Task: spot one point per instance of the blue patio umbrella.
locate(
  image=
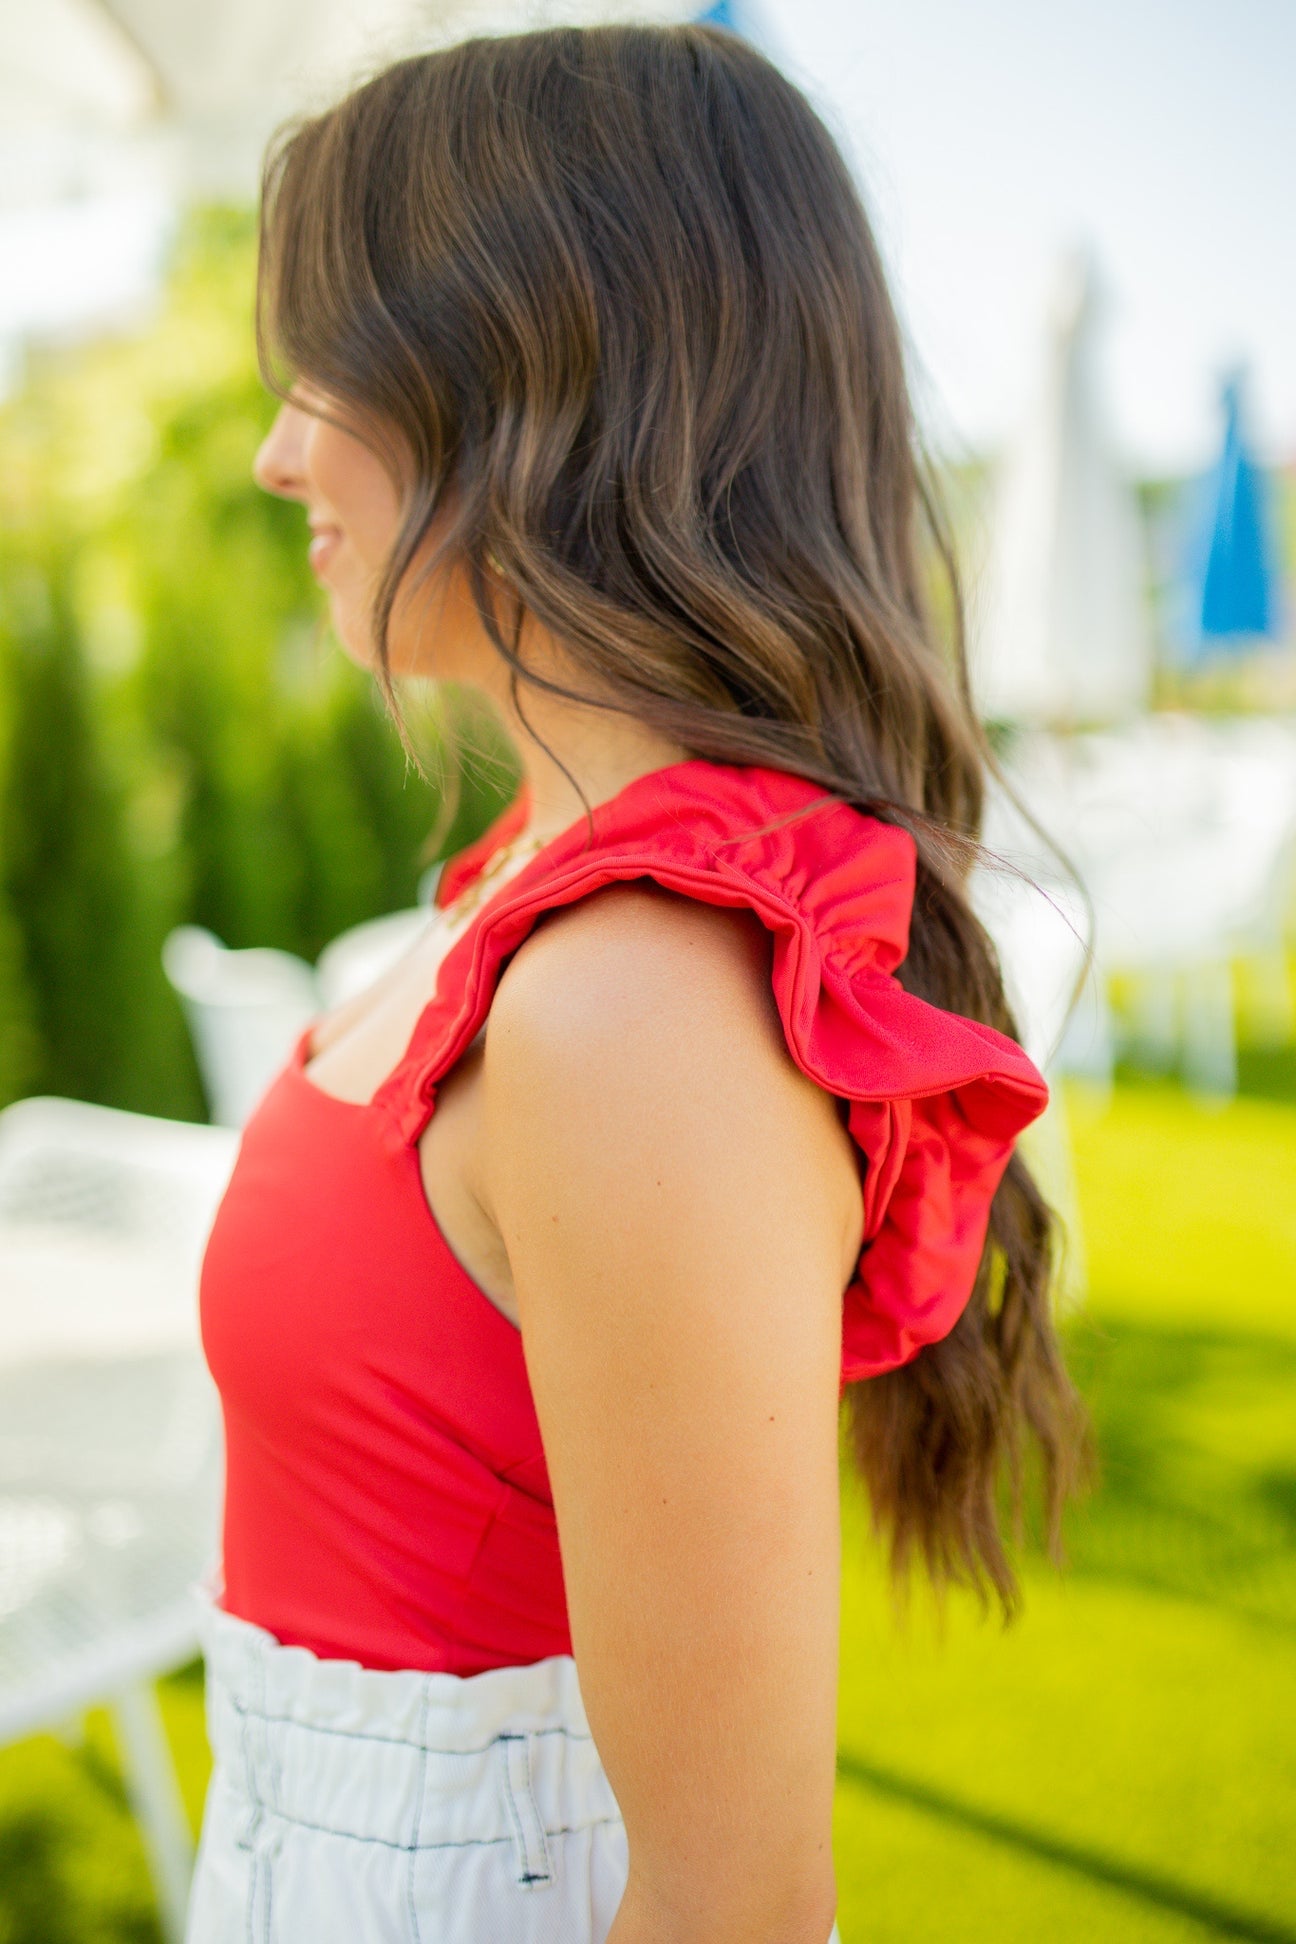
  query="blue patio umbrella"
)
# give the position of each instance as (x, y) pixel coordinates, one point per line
(1230, 591)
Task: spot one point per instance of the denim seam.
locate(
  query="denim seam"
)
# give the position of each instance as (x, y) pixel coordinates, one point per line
(531, 1838)
(403, 1849)
(251, 1824)
(268, 1845)
(519, 1838)
(246, 1712)
(547, 1877)
(417, 1824)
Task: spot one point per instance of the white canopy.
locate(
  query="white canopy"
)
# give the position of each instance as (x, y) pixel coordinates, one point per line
(92, 89)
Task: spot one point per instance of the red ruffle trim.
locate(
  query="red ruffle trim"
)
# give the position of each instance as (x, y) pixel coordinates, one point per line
(936, 1100)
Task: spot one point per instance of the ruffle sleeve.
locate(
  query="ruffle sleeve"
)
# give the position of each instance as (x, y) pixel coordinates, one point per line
(936, 1101)
(936, 1105)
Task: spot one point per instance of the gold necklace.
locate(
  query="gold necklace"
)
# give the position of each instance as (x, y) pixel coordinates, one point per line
(474, 892)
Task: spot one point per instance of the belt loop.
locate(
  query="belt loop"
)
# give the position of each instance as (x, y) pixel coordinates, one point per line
(535, 1868)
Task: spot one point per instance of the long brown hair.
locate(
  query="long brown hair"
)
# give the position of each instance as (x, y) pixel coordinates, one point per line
(616, 286)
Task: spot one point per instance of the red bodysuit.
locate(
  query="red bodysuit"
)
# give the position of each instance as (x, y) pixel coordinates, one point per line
(386, 1493)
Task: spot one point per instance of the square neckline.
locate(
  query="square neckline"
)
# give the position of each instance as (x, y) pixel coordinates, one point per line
(303, 1052)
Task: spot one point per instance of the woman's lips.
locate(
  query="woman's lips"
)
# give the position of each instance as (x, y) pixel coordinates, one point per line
(325, 542)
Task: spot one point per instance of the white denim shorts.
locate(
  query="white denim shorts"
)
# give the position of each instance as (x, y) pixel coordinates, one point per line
(353, 1806)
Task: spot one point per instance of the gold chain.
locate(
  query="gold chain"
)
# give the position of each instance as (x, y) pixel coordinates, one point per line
(474, 892)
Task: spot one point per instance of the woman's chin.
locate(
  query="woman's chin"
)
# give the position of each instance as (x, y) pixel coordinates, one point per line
(366, 661)
(353, 635)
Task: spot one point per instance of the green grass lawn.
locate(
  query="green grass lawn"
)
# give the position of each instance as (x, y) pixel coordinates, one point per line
(1121, 1764)
(1118, 1766)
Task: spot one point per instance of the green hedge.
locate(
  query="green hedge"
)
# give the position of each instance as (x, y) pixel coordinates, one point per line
(179, 738)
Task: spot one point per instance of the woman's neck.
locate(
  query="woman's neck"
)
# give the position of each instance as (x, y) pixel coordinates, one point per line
(602, 750)
(601, 772)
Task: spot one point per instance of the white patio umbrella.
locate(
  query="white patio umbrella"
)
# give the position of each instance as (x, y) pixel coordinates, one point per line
(1058, 631)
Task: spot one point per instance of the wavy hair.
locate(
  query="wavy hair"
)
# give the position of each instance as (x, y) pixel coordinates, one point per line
(616, 288)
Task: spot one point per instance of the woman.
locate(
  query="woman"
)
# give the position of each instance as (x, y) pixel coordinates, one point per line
(548, 1261)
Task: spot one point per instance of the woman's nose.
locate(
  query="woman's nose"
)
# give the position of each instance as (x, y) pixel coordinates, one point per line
(279, 464)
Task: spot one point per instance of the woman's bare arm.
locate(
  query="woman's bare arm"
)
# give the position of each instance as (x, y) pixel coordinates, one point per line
(681, 1209)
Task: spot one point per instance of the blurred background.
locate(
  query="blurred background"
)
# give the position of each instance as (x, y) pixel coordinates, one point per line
(208, 830)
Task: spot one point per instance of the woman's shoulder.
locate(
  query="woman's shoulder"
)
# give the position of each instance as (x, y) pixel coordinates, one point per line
(715, 899)
(637, 1024)
(636, 961)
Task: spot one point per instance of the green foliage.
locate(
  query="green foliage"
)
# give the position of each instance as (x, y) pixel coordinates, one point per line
(179, 740)
(66, 868)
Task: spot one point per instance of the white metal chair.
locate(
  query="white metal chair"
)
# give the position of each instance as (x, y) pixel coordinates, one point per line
(245, 1009)
(110, 1455)
(360, 956)
(1184, 832)
(1040, 931)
